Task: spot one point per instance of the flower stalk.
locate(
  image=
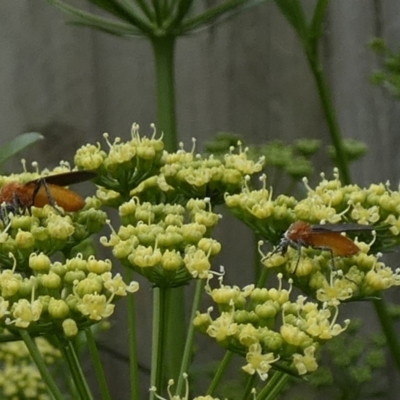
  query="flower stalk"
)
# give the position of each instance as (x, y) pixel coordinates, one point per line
(133, 347)
(98, 367)
(42, 367)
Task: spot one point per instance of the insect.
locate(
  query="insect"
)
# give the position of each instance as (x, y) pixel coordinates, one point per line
(323, 237)
(18, 197)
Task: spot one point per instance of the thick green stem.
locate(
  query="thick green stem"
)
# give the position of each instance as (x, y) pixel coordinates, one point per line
(98, 366)
(331, 119)
(342, 164)
(389, 330)
(175, 332)
(220, 372)
(187, 354)
(164, 53)
(251, 382)
(274, 386)
(133, 356)
(262, 279)
(39, 361)
(158, 340)
(76, 371)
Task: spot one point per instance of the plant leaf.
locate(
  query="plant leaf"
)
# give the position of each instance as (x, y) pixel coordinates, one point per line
(19, 143)
(80, 17)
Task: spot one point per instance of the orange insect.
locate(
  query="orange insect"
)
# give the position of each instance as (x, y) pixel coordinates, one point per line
(18, 197)
(323, 237)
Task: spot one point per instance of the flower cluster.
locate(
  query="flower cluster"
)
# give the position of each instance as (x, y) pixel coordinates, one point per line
(142, 168)
(51, 296)
(167, 243)
(125, 165)
(196, 176)
(19, 377)
(316, 272)
(48, 228)
(266, 327)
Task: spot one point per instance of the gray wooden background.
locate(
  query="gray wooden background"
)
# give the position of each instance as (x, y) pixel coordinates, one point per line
(247, 75)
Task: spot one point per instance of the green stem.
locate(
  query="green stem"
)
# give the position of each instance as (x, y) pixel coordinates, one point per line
(98, 366)
(187, 353)
(175, 332)
(76, 371)
(133, 355)
(274, 386)
(158, 340)
(258, 267)
(249, 386)
(164, 51)
(388, 328)
(39, 361)
(331, 119)
(381, 309)
(220, 372)
(263, 278)
(342, 164)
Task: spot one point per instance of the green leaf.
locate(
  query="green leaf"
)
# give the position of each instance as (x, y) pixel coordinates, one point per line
(218, 13)
(80, 17)
(315, 29)
(18, 144)
(125, 10)
(115, 29)
(294, 13)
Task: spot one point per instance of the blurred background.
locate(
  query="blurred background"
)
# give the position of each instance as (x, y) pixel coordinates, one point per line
(247, 75)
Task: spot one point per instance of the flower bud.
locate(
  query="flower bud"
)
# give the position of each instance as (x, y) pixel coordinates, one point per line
(259, 295)
(89, 157)
(60, 227)
(23, 222)
(171, 260)
(267, 310)
(39, 262)
(77, 264)
(206, 218)
(70, 328)
(98, 266)
(24, 240)
(58, 268)
(89, 285)
(209, 246)
(72, 276)
(271, 340)
(50, 280)
(123, 249)
(58, 308)
(202, 321)
(193, 232)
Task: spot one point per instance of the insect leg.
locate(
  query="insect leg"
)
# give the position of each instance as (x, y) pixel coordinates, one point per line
(323, 248)
(39, 184)
(298, 247)
(280, 248)
(4, 214)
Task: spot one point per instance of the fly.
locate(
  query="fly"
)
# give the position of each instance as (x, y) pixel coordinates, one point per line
(325, 237)
(18, 197)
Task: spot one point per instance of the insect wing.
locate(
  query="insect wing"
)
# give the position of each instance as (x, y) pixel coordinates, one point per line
(341, 228)
(66, 179)
(339, 245)
(50, 190)
(65, 198)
